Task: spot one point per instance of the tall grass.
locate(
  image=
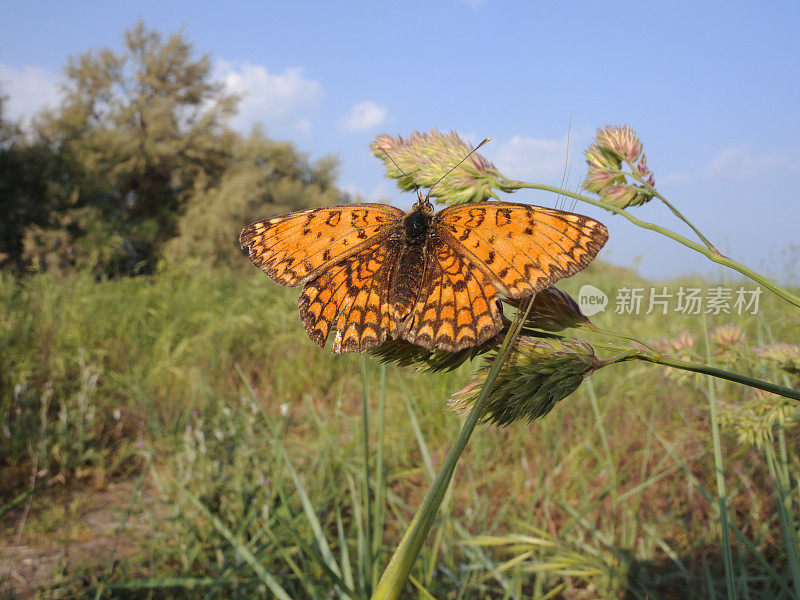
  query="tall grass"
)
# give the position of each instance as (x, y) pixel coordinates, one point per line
(258, 444)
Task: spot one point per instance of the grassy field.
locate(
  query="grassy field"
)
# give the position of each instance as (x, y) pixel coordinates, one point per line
(222, 454)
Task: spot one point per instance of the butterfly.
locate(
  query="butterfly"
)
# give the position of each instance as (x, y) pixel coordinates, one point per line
(372, 271)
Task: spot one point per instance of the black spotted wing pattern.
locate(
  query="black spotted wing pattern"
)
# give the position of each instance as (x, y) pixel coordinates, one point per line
(294, 248)
(351, 299)
(456, 306)
(372, 272)
(521, 248)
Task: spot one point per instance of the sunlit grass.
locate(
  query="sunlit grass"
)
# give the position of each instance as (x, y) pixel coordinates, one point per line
(614, 492)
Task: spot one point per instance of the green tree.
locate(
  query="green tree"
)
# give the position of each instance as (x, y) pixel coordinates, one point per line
(28, 186)
(9, 163)
(263, 178)
(138, 163)
(136, 132)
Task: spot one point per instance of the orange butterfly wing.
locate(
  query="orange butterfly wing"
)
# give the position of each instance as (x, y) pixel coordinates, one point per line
(521, 248)
(354, 261)
(352, 297)
(456, 307)
(295, 248)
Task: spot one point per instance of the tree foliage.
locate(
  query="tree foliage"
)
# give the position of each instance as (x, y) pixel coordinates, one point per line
(29, 173)
(263, 178)
(139, 153)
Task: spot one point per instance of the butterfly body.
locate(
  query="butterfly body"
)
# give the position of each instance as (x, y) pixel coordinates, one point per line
(372, 271)
(416, 224)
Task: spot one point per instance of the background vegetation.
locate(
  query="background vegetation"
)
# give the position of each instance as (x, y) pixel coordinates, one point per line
(138, 159)
(139, 351)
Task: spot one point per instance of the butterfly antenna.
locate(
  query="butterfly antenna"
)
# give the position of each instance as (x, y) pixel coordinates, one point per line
(389, 156)
(473, 151)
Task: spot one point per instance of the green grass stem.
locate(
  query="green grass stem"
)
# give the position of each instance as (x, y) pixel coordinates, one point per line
(395, 575)
(709, 370)
(712, 255)
(368, 557)
(722, 495)
(380, 482)
(266, 578)
(778, 470)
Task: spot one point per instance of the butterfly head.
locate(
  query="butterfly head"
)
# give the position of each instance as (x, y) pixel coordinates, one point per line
(423, 205)
(418, 220)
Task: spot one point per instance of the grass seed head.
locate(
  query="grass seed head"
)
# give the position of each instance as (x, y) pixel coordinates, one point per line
(553, 310)
(621, 141)
(614, 147)
(783, 356)
(754, 420)
(538, 374)
(727, 336)
(426, 157)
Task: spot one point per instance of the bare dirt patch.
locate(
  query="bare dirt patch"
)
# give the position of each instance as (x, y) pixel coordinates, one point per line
(72, 533)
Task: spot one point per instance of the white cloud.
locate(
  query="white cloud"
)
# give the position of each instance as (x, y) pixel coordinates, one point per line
(741, 161)
(738, 162)
(533, 159)
(364, 116)
(275, 99)
(29, 89)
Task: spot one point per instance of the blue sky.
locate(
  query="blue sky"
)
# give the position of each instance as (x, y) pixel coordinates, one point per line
(713, 89)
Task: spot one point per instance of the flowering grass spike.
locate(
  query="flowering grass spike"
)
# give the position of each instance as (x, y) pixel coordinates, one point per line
(425, 157)
(755, 419)
(539, 373)
(613, 149)
(727, 336)
(784, 356)
(553, 310)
